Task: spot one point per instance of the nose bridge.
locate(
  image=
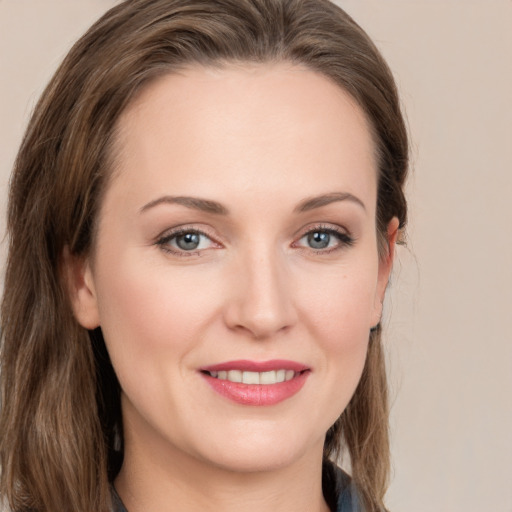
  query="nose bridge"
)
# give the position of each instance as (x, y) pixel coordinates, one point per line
(262, 303)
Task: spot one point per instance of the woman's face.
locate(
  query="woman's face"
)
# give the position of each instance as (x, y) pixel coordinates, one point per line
(237, 241)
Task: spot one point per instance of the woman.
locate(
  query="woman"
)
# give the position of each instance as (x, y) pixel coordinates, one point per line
(202, 221)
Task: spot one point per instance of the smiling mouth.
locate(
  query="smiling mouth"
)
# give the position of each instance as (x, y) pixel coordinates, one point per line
(256, 383)
(248, 377)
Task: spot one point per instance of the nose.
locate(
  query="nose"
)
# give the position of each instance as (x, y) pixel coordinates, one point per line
(261, 298)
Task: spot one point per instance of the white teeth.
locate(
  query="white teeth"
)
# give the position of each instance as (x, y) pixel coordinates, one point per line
(251, 378)
(270, 377)
(235, 375)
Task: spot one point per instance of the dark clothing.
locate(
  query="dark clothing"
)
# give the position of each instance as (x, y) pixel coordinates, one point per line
(338, 490)
(348, 500)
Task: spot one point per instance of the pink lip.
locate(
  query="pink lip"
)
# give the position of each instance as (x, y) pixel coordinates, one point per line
(257, 394)
(256, 366)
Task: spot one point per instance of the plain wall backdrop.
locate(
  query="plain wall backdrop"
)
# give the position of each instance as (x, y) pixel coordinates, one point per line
(449, 309)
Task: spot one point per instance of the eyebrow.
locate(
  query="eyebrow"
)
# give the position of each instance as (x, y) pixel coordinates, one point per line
(209, 206)
(195, 203)
(325, 199)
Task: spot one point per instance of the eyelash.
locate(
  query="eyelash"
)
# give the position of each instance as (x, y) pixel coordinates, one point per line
(344, 240)
(163, 242)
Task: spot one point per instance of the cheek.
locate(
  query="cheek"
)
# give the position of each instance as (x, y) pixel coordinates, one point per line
(339, 304)
(148, 311)
(337, 311)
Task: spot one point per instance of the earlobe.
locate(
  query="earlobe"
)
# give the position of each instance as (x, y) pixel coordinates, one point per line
(385, 266)
(80, 287)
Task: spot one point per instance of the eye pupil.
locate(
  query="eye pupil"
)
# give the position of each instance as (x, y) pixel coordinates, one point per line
(188, 241)
(319, 240)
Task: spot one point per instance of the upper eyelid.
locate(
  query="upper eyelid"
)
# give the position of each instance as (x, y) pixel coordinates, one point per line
(333, 228)
(185, 228)
(174, 234)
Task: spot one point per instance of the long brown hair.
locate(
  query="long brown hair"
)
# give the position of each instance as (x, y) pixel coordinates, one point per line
(61, 430)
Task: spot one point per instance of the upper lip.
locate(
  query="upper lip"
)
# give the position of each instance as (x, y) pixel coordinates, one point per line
(256, 366)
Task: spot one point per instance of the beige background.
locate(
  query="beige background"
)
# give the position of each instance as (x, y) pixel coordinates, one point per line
(449, 333)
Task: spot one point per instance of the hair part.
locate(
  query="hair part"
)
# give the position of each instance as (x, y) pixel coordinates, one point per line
(61, 418)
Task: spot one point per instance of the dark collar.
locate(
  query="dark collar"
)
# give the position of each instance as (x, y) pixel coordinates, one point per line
(339, 490)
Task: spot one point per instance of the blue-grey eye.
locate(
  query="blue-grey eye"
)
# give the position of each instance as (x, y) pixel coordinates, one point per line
(325, 240)
(185, 242)
(188, 241)
(319, 239)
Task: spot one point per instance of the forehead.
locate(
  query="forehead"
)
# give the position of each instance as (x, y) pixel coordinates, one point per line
(249, 126)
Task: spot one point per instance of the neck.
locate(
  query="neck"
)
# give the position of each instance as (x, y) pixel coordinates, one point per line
(153, 482)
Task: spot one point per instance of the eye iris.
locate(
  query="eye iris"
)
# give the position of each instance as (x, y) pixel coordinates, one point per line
(188, 241)
(319, 240)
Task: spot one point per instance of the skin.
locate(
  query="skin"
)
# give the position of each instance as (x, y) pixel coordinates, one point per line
(259, 141)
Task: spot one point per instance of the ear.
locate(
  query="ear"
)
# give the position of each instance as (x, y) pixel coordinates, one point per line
(385, 267)
(80, 287)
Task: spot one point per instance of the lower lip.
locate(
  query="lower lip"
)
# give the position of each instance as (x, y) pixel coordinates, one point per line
(257, 394)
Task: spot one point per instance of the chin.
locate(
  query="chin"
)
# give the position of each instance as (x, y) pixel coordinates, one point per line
(260, 453)
(255, 462)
